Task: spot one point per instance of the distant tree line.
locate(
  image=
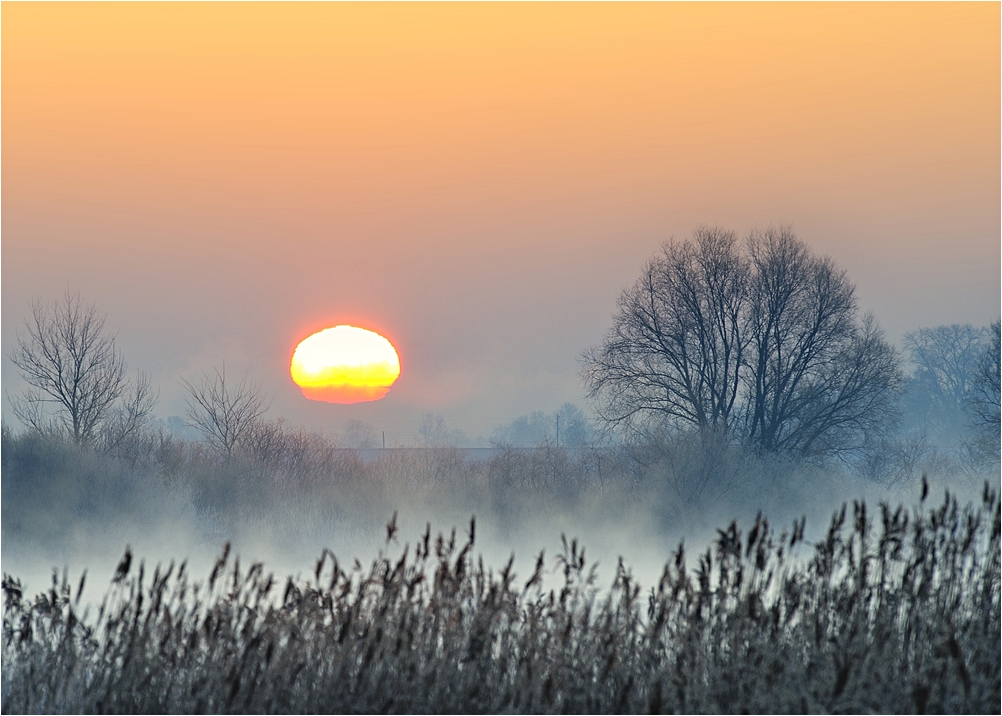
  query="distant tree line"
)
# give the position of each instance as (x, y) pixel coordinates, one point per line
(567, 427)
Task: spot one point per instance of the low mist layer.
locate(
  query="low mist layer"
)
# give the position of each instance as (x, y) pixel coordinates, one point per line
(288, 494)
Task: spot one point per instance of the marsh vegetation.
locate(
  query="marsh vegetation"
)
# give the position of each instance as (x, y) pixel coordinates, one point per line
(894, 609)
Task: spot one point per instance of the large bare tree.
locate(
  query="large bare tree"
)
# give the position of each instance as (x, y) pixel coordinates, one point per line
(73, 366)
(762, 342)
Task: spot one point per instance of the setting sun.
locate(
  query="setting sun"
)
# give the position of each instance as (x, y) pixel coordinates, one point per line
(345, 364)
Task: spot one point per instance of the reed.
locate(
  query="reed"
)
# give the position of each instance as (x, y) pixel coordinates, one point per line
(895, 610)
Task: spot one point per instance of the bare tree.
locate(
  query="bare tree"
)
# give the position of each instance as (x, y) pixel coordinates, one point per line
(435, 433)
(676, 347)
(574, 428)
(359, 435)
(948, 362)
(223, 412)
(526, 431)
(71, 363)
(763, 344)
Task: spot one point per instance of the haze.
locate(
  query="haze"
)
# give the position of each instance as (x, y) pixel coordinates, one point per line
(478, 182)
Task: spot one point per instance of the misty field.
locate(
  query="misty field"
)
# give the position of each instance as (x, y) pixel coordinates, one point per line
(893, 609)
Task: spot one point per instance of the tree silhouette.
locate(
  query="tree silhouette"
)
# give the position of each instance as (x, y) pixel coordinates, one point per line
(762, 342)
(71, 363)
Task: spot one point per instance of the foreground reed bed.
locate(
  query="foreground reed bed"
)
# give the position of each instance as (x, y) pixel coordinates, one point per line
(895, 610)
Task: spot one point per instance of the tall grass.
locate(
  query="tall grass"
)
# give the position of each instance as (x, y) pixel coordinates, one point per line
(894, 610)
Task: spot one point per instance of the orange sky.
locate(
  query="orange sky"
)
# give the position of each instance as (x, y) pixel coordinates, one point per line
(478, 182)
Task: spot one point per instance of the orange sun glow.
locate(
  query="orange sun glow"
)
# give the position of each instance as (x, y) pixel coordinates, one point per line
(345, 364)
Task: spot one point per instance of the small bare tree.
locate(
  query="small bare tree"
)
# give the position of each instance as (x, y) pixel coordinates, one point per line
(949, 363)
(71, 363)
(223, 412)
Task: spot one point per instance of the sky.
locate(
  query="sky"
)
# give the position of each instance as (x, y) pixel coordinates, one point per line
(477, 182)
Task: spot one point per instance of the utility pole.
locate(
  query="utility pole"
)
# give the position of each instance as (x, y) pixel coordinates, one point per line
(384, 440)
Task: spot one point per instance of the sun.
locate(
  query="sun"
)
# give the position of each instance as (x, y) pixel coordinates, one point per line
(345, 364)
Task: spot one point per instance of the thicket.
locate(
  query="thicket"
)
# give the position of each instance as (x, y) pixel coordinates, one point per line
(894, 610)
